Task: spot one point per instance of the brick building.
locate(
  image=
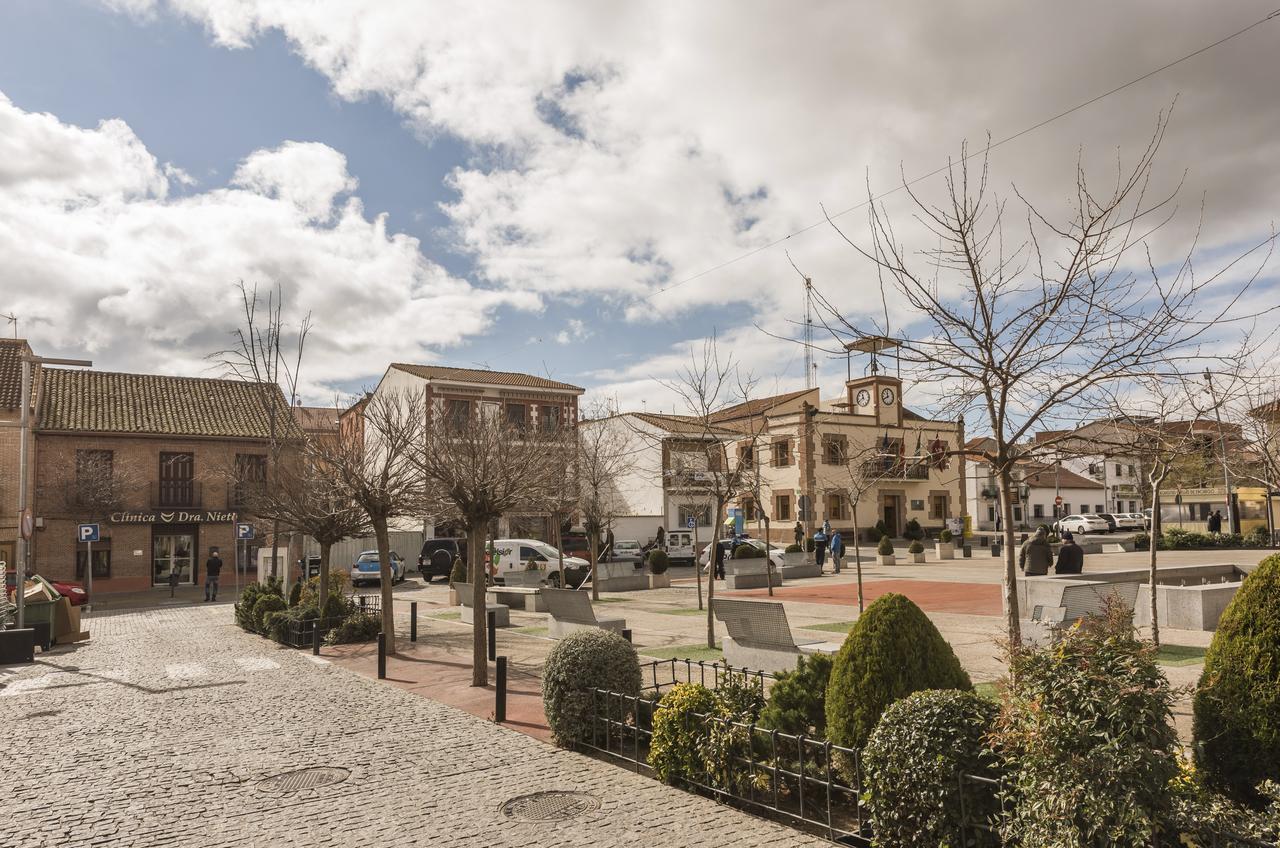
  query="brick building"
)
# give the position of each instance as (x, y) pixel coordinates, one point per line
(160, 463)
(11, 352)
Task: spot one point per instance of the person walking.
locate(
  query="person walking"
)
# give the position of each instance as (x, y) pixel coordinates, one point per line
(212, 570)
(820, 548)
(660, 538)
(826, 527)
(1070, 556)
(717, 558)
(799, 531)
(837, 551)
(1036, 555)
(1215, 523)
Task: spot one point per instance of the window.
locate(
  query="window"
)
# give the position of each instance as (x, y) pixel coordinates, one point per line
(549, 417)
(939, 506)
(782, 453)
(748, 509)
(1017, 513)
(251, 473)
(1119, 470)
(1066, 508)
(1131, 474)
(837, 507)
(1037, 511)
(991, 513)
(747, 457)
(95, 476)
(782, 507)
(701, 512)
(101, 560)
(1133, 506)
(516, 415)
(457, 414)
(177, 473)
(527, 553)
(1100, 509)
(833, 450)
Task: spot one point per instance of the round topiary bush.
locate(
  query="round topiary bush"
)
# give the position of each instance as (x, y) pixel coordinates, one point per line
(915, 547)
(885, 548)
(945, 536)
(658, 561)
(912, 764)
(680, 739)
(1237, 705)
(892, 651)
(793, 548)
(911, 530)
(745, 551)
(798, 699)
(265, 604)
(582, 662)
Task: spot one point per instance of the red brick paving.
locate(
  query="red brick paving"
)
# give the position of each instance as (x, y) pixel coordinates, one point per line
(929, 595)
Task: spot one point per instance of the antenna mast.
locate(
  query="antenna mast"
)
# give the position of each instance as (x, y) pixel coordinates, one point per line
(810, 367)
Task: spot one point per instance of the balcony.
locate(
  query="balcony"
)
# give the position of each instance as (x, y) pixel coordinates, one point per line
(176, 494)
(895, 470)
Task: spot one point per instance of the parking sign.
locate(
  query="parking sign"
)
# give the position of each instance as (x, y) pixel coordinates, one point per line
(244, 531)
(87, 532)
(691, 522)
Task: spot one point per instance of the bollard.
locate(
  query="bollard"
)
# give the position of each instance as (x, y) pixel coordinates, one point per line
(995, 549)
(361, 597)
(493, 636)
(500, 691)
(382, 656)
(968, 551)
(626, 634)
(413, 621)
(315, 638)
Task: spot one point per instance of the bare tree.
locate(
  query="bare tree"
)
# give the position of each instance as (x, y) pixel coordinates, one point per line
(751, 471)
(865, 468)
(1251, 403)
(602, 458)
(1031, 331)
(475, 471)
(268, 352)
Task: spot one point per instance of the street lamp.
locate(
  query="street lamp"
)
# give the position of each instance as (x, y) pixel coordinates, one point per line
(24, 448)
(1222, 434)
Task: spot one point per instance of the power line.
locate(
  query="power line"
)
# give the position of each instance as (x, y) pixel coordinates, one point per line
(768, 245)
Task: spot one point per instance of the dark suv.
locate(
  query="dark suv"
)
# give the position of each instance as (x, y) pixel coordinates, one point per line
(436, 559)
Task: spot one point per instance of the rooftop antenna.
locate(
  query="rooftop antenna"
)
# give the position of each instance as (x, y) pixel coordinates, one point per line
(12, 319)
(810, 367)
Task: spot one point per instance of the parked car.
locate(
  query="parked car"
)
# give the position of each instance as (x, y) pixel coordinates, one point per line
(1082, 524)
(73, 592)
(679, 546)
(775, 554)
(1113, 523)
(1131, 520)
(365, 569)
(574, 543)
(437, 556)
(627, 550)
(514, 555)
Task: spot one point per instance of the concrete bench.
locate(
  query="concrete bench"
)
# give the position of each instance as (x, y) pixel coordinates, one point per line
(1075, 601)
(750, 574)
(524, 577)
(759, 636)
(620, 577)
(571, 610)
(526, 598)
(502, 613)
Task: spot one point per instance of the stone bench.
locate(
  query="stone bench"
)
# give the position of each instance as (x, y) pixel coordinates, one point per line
(502, 613)
(570, 610)
(526, 598)
(759, 636)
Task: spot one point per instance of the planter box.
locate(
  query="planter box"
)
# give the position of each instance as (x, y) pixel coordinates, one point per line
(886, 559)
(917, 558)
(804, 569)
(797, 558)
(751, 580)
(945, 550)
(523, 578)
(659, 581)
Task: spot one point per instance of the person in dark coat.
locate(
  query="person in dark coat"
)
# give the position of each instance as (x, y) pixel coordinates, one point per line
(660, 538)
(799, 533)
(1215, 523)
(1070, 556)
(1036, 555)
(820, 548)
(212, 571)
(717, 557)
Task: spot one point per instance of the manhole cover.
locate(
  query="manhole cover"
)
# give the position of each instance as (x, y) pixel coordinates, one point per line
(550, 806)
(307, 778)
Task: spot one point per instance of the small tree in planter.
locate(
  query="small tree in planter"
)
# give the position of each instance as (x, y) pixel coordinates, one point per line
(793, 554)
(456, 576)
(658, 563)
(884, 553)
(916, 549)
(945, 548)
(912, 530)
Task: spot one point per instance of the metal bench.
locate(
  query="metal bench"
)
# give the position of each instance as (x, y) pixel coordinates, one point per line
(759, 636)
(1077, 600)
(526, 598)
(571, 610)
(502, 613)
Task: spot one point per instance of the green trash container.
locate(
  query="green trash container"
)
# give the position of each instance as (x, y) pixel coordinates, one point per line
(36, 613)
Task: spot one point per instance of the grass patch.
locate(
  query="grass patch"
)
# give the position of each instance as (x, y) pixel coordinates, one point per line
(1179, 655)
(988, 690)
(532, 630)
(446, 616)
(684, 652)
(832, 627)
(685, 611)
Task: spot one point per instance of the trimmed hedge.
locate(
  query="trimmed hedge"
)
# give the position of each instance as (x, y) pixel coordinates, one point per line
(885, 548)
(793, 548)
(658, 561)
(579, 663)
(458, 574)
(798, 698)
(912, 763)
(945, 536)
(916, 547)
(745, 551)
(892, 651)
(1236, 708)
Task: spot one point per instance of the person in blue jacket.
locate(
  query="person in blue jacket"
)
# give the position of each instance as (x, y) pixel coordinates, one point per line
(837, 550)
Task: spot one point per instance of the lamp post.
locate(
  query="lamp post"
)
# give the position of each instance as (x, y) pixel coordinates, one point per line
(24, 447)
(1232, 525)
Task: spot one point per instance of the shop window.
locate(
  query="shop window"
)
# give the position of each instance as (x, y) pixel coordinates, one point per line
(782, 507)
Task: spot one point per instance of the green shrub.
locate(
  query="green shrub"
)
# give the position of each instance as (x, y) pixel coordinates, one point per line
(583, 661)
(281, 626)
(915, 547)
(357, 627)
(249, 597)
(1142, 542)
(1087, 736)
(793, 548)
(945, 536)
(295, 592)
(311, 589)
(911, 530)
(1196, 807)
(265, 604)
(885, 548)
(679, 735)
(458, 574)
(658, 561)
(745, 551)
(1237, 705)
(892, 651)
(881, 529)
(913, 761)
(798, 699)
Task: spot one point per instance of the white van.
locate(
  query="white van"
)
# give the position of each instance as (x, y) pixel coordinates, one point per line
(679, 545)
(514, 555)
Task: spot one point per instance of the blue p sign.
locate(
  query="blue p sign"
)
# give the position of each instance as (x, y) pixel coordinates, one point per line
(88, 532)
(244, 531)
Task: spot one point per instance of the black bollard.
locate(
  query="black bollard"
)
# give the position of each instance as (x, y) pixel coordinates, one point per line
(500, 691)
(413, 621)
(382, 656)
(493, 635)
(626, 634)
(968, 551)
(315, 638)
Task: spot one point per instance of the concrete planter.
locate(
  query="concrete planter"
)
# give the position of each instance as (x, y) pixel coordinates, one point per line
(886, 559)
(659, 581)
(797, 558)
(917, 558)
(945, 550)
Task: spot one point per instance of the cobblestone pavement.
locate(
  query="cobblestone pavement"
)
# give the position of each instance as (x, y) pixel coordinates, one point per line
(159, 730)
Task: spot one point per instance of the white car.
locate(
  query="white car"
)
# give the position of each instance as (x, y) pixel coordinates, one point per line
(514, 555)
(1131, 521)
(366, 570)
(775, 554)
(1082, 524)
(627, 550)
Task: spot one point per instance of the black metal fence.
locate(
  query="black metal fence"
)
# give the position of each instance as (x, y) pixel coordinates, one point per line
(301, 634)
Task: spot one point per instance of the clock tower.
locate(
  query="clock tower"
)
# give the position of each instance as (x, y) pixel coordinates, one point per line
(878, 396)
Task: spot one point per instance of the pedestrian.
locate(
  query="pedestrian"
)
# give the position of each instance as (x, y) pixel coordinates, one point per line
(1070, 556)
(212, 569)
(1215, 523)
(718, 558)
(1036, 555)
(799, 533)
(837, 550)
(820, 548)
(826, 527)
(660, 538)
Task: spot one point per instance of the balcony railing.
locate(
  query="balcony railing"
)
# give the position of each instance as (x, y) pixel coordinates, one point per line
(896, 470)
(176, 494)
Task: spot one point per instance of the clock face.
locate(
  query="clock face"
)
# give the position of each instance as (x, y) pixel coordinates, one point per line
(863, 398)
(886, 396)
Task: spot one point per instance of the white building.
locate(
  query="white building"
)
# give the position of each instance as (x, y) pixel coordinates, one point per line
(1043, 491)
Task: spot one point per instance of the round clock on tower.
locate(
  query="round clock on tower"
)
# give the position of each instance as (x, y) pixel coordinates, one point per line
(887, 396)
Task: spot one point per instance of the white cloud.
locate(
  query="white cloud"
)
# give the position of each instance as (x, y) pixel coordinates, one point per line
(575, 331)
(100, 258)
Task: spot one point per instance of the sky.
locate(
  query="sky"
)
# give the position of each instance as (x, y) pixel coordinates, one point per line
(582, 191)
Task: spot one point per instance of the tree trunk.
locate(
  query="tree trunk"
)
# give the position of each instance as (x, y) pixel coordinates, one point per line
(1151, 559)
(559, 547)
(322, 591)
(768, 560)
(384, 579)
(593, 554)
(275, 553)
(479, 620)
(697, 578)
(711, 572)
(1013, 625)
(857, 556)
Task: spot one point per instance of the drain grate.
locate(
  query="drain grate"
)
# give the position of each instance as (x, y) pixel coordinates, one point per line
(550, 806)
(307, 778)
